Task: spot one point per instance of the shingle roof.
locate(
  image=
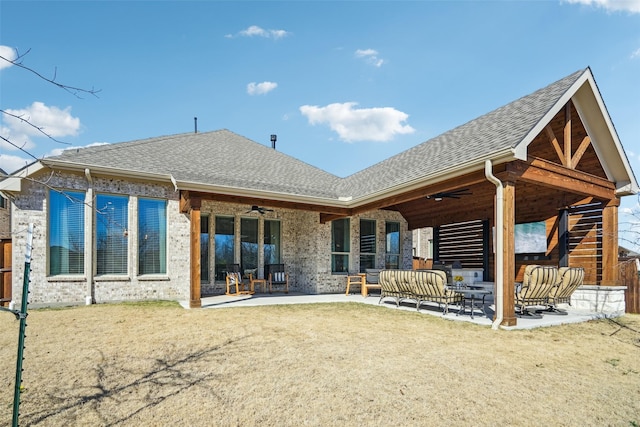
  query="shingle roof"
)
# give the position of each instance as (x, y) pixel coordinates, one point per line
(223, 158)
(492, 133)
(220, 158)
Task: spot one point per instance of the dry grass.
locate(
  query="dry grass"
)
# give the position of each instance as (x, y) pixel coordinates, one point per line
(325, 364)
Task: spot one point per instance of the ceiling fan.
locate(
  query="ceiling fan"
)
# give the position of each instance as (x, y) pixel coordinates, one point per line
(259, 209)
(455, 194)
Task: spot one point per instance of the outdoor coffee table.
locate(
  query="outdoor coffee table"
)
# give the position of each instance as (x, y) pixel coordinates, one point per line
(474, 296)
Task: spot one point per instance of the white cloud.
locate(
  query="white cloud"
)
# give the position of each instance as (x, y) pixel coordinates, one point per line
(53, 121)
(9, 53)
(254, 88)
(255, 31)
(632, 6)
(10, 164)
(364, 124)
(370, 56)
(635, 54)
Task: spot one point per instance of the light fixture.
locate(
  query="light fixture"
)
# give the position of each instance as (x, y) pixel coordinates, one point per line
(273, 141)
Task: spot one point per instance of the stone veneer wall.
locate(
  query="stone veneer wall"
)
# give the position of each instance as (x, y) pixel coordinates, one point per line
(30, 206)
(608, 300)
(306, 245)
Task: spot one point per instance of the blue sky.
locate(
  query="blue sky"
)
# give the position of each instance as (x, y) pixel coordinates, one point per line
(343, 84)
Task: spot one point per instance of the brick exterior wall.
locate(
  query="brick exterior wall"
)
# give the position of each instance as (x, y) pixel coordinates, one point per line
(306, 245)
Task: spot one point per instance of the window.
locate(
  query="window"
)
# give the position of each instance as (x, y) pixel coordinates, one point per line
(392, 245)
(271, 242)
(66, 232)
(152, 236)
(204, 248)
(367, 244)
(340, 245)
(112, 234)
(248, 243)
(3, 202)
(224, 245)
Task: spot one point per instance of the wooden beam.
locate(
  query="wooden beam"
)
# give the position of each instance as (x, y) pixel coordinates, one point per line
(554, 142)
(194, 254)
(567, 135)
(580, 151)
(545, 173)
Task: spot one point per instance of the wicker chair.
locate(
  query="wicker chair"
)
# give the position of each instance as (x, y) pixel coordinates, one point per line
(535, 288)
(275, 274)
(569, 279)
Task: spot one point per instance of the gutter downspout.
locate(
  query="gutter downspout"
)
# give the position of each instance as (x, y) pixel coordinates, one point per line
(488, 173)
(88, 232)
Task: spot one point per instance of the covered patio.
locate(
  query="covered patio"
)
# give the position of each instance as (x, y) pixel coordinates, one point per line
(552, 157)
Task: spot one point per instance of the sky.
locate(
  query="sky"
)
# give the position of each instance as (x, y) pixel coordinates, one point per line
(343, 84)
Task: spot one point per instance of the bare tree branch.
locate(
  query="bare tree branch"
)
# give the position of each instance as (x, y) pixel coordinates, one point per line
(75, 91)
(38, 128)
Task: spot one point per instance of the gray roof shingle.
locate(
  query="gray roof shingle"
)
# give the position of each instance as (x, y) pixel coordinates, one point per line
(223, 158)
(492, 133)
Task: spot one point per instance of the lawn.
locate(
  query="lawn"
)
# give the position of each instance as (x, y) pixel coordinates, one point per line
(343, 364)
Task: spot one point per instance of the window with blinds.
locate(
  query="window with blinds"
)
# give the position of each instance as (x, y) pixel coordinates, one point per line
(367, 244)
(152, 236)
(66, 232)
(112, 231)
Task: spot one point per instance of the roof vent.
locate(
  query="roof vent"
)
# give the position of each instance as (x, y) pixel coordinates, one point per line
(195, 125)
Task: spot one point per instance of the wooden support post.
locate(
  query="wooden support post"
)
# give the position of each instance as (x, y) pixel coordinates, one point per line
(509, 254)
(610, 243)
(194, 215)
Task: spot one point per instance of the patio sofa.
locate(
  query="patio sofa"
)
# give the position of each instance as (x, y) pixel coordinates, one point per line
(418, 285)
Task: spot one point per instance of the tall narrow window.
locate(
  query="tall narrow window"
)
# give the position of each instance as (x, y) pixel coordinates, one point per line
(392, 245)
(367, 244)
(112, 225)
(272, 243)
(66, 232)
(249, 243)
(152, 236)
(340, 245)
(224, 245)
(204, 248)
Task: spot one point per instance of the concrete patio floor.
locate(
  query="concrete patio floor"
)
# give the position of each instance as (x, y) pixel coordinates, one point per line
(260, 299)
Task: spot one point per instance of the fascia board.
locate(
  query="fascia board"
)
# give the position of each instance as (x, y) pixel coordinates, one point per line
(473, 166)
(273, 195)
(603, 133)
(13, 183)
(101, 170)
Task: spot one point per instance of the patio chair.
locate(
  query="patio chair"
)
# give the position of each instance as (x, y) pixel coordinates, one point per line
(275, 274)
(535, 288)
(389, 286)
(234, 279)
(430, 286)
(569, 279)
(367, 280)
